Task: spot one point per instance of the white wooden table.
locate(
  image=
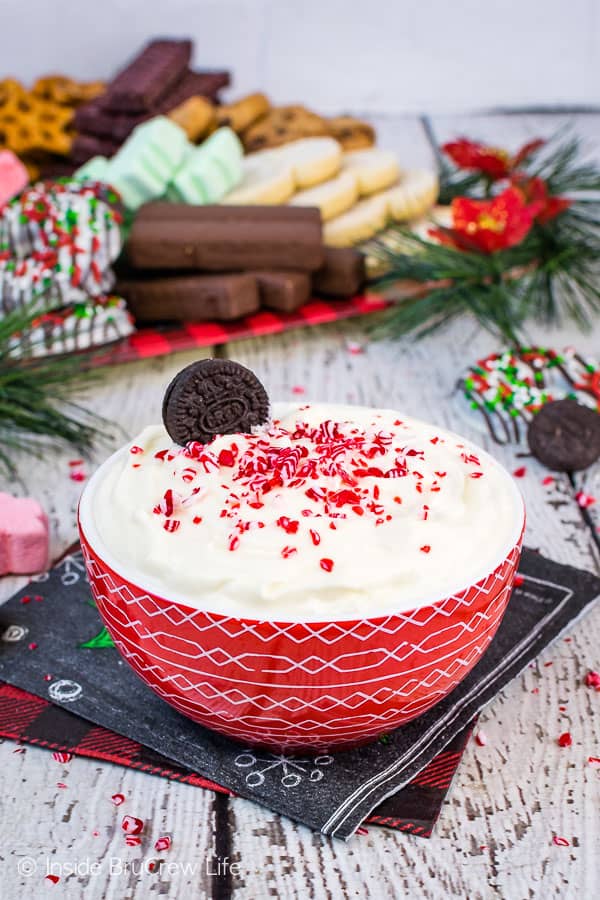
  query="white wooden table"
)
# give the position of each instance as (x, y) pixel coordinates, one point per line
(494, 837)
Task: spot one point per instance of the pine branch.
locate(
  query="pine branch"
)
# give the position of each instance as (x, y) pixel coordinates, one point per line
(38, 410)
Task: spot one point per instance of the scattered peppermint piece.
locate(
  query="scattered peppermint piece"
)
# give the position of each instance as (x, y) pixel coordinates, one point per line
(584, 500)
(133, 840)
(163, 843)
(53, 878)
(354, 348)
(481, 738)
(519, 579)
(61, 784)
(560, 841)
(565, 739)
(132, 825)
(61, 757)
(549, 479)
(521, 472)
(298, 390)
(592, 679)
(32, 646)
(594, 762)
(117, 799)
(77, 475)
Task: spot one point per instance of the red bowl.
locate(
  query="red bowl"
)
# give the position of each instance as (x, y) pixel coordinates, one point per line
(298, 685)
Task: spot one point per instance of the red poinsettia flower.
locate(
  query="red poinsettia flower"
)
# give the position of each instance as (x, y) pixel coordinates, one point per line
(494, 162)
(536, 193)
(486, 226)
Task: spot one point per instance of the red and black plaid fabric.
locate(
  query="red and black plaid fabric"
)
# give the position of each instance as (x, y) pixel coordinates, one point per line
(33, 720)
(148, 342)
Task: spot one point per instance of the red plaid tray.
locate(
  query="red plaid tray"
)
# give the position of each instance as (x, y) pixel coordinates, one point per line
(148, 342)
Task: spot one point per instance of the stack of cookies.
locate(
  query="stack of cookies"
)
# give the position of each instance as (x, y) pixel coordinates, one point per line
(156, 81)
(262, 126)
(195, 263)
(357, 192)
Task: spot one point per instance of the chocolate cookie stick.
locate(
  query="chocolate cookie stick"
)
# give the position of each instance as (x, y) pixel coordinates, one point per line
(283, 291)
(343, 273)
(226, 238)
(191, 298)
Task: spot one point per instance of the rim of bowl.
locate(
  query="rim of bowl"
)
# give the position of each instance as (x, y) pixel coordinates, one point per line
(157, 588)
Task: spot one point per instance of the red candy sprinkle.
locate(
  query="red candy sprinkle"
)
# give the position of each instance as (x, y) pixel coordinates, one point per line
(136, 449)
(518, 580)
(565, 739)
(117, 799)
(315, 537)
(32, 645)
(132, 825)
(298, 390)
(133, 840)
(53, 878)
(425, 548)
(172, 525)
(584, 500)
(481, 738)
(290, 526)
(26, 599)
(594, 761)
(560, 841)
(326, 564)
(288, 551)
(77, 475)
(163, 843)
(196, 520)
(592, 679)
(234, 543)
(520, 472)
(549, 479)
(61, 757)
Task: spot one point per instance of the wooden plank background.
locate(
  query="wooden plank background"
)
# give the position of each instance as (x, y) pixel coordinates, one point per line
(510, 798)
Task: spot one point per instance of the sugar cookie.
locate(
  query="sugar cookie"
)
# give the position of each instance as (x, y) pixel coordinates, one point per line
(358, 224)
(375, 169)
(264, 182)
(332, 197)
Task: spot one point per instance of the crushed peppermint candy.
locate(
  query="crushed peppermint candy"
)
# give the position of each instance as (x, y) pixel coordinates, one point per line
(584, 500)
(163, 843)
(481, 738)
(592, 679)
(560, 841)
(132, 825)
(118, 799)
(565, 739)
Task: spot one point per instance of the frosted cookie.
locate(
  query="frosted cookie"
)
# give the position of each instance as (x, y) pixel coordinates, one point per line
(332, 197)
(413, 196)
(358, 224)
(264, 182)
(506, 390)
(374, 169)
(209, 171)
(147, 161)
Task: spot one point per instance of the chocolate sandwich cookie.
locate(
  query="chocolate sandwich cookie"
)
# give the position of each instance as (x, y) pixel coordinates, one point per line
(565, 436)
(192, 298)
(283, 291)
(226, 238)
(343, 273)
(213, 396)
(149, 76)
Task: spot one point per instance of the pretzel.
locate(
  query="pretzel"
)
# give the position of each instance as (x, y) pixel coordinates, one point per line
(66, 91)
(29, 124)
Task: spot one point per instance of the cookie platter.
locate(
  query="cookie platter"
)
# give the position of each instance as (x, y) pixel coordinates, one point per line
(226, 219)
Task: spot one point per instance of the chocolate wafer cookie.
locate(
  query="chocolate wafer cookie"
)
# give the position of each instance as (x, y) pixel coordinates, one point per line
(565, 436)
(226, 238)
(156, 69)
(191, 298)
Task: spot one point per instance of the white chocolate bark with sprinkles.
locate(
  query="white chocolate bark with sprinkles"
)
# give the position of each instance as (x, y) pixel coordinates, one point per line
(329, 512)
